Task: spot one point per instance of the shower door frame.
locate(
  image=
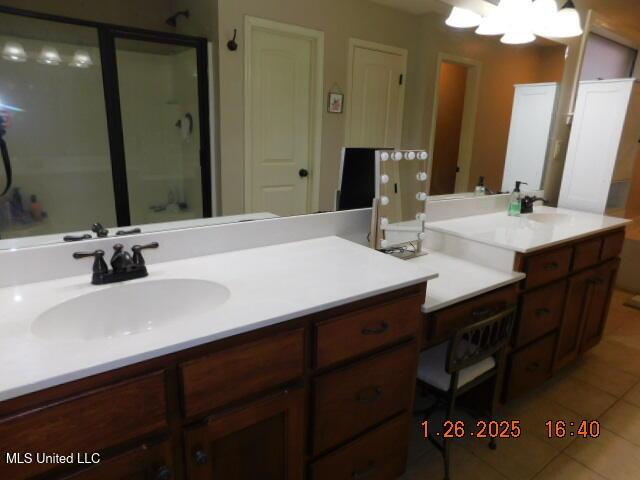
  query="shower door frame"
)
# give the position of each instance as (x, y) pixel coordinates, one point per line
(107, 35)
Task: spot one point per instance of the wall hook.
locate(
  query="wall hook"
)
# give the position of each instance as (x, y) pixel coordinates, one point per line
(232, 44)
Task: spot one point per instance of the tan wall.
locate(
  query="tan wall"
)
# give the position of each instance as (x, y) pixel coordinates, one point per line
(339, 20)
(502, 67)
(149, 14)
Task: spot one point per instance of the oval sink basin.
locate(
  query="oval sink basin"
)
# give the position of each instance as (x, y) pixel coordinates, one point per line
(550, 218)
(129, 309)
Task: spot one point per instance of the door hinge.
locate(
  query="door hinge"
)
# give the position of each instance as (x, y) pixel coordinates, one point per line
(401, 78)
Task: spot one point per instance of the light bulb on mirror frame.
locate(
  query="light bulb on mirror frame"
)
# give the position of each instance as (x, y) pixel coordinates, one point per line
(422, 236)
(421, 217)
(423, 155)
(384, 179)
(397, 156)
(384, 222)
(422, 177)
(410, 156)
(384, 243)
(384, 200)
(49, 56)
(421, 197)
(384, 156)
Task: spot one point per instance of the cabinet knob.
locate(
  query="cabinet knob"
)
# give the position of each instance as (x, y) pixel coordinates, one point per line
(369, 395)
(550, 267)
(163, 473)
(201, 457)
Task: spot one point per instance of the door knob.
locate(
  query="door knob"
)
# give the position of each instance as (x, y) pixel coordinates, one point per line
(304, 173)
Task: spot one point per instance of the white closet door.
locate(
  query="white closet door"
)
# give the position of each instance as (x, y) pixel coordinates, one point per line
(533, 111)
(600, 115)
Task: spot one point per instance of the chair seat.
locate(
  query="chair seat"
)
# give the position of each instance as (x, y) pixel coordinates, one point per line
(432, 371)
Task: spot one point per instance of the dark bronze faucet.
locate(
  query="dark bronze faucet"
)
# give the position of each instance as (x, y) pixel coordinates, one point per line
(123, 266)
(528, 202)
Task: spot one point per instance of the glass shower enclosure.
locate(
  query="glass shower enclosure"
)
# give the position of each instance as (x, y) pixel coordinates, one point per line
(104, 124)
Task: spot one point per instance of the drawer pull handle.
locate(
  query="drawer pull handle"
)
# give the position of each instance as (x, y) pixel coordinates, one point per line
(369, 395)
(384, 326)
(596, 281)
(163, 473)
(549, 267)
(201, 457)
(543, 312)
(533, 367)
(367, 472)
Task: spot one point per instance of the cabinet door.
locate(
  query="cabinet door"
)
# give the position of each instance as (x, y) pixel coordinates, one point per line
(575, 312)
(602, 284)
(263, 440)
(148, 462)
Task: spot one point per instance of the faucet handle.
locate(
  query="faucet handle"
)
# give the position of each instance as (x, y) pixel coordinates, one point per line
(138, 259)
(99, 230)
(99, 265)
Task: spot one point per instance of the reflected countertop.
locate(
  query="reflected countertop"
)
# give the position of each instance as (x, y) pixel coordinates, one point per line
(544, 228)
(267, 285)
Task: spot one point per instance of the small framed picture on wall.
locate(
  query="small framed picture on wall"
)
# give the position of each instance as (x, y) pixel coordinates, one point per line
(336, 102)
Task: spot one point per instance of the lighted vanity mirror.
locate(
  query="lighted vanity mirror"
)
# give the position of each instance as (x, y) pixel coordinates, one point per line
(118, 117)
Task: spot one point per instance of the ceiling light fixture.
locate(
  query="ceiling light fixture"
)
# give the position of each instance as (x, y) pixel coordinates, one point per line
(81, 59)
(519, 21)
(463, 18)
(49, 56)
(14, 52)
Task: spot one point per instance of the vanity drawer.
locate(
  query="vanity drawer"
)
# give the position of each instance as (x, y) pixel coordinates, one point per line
(90, 422)
(530, 367)
(612, 245)
(442, 324)
(355, 398)
(379, 455)
(238, 372)
(359, 332)
(541, 313)
(587, 254)
(547, 267)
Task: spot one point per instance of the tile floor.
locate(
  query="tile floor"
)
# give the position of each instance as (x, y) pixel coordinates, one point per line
(603, 385)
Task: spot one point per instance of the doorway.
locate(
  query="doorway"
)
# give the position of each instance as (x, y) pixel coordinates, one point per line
(376, 89)
(283, 117)
(453, 124)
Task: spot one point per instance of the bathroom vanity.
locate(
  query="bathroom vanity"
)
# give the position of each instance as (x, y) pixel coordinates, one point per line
(324, 393)
(569, 261)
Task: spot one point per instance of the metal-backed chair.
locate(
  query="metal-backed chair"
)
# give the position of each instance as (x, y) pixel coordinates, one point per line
(474, 355)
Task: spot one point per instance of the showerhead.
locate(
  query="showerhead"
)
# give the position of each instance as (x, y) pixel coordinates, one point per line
(172, 21)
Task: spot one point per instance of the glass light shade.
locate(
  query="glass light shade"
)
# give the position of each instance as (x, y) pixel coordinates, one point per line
(14, 52)
(81, 59)
(49, 56)
(518, 37)
(494, 24)
(543, 12)
(463, 18)
(564, 24)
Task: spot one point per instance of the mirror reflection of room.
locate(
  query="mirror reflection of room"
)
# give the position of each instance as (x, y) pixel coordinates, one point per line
(173, 121)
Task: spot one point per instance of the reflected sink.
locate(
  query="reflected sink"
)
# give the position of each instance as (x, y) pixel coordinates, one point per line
(550, 218)
(129, 309)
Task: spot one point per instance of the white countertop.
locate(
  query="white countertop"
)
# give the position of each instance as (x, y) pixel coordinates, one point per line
(547, 227)
(459, 280)
(268, 285)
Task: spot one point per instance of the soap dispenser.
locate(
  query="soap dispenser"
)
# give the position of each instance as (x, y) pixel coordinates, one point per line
(515, 201)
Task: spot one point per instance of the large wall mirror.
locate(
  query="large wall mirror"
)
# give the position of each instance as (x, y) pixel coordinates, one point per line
(160, 114)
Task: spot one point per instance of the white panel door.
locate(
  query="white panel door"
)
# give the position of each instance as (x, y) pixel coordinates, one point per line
(601, 112)
(531, 121)
(280, 123)
(377, 98)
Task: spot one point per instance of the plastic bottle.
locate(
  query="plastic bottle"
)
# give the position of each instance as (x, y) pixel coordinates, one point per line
(481, 190)
(515, 201)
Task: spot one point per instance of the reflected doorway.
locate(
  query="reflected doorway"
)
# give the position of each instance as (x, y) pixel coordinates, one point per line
(454, 123)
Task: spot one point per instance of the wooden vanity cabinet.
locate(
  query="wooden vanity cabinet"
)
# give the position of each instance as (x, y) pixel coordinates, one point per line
(307, 397)
(261, 440)
(563, 308)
